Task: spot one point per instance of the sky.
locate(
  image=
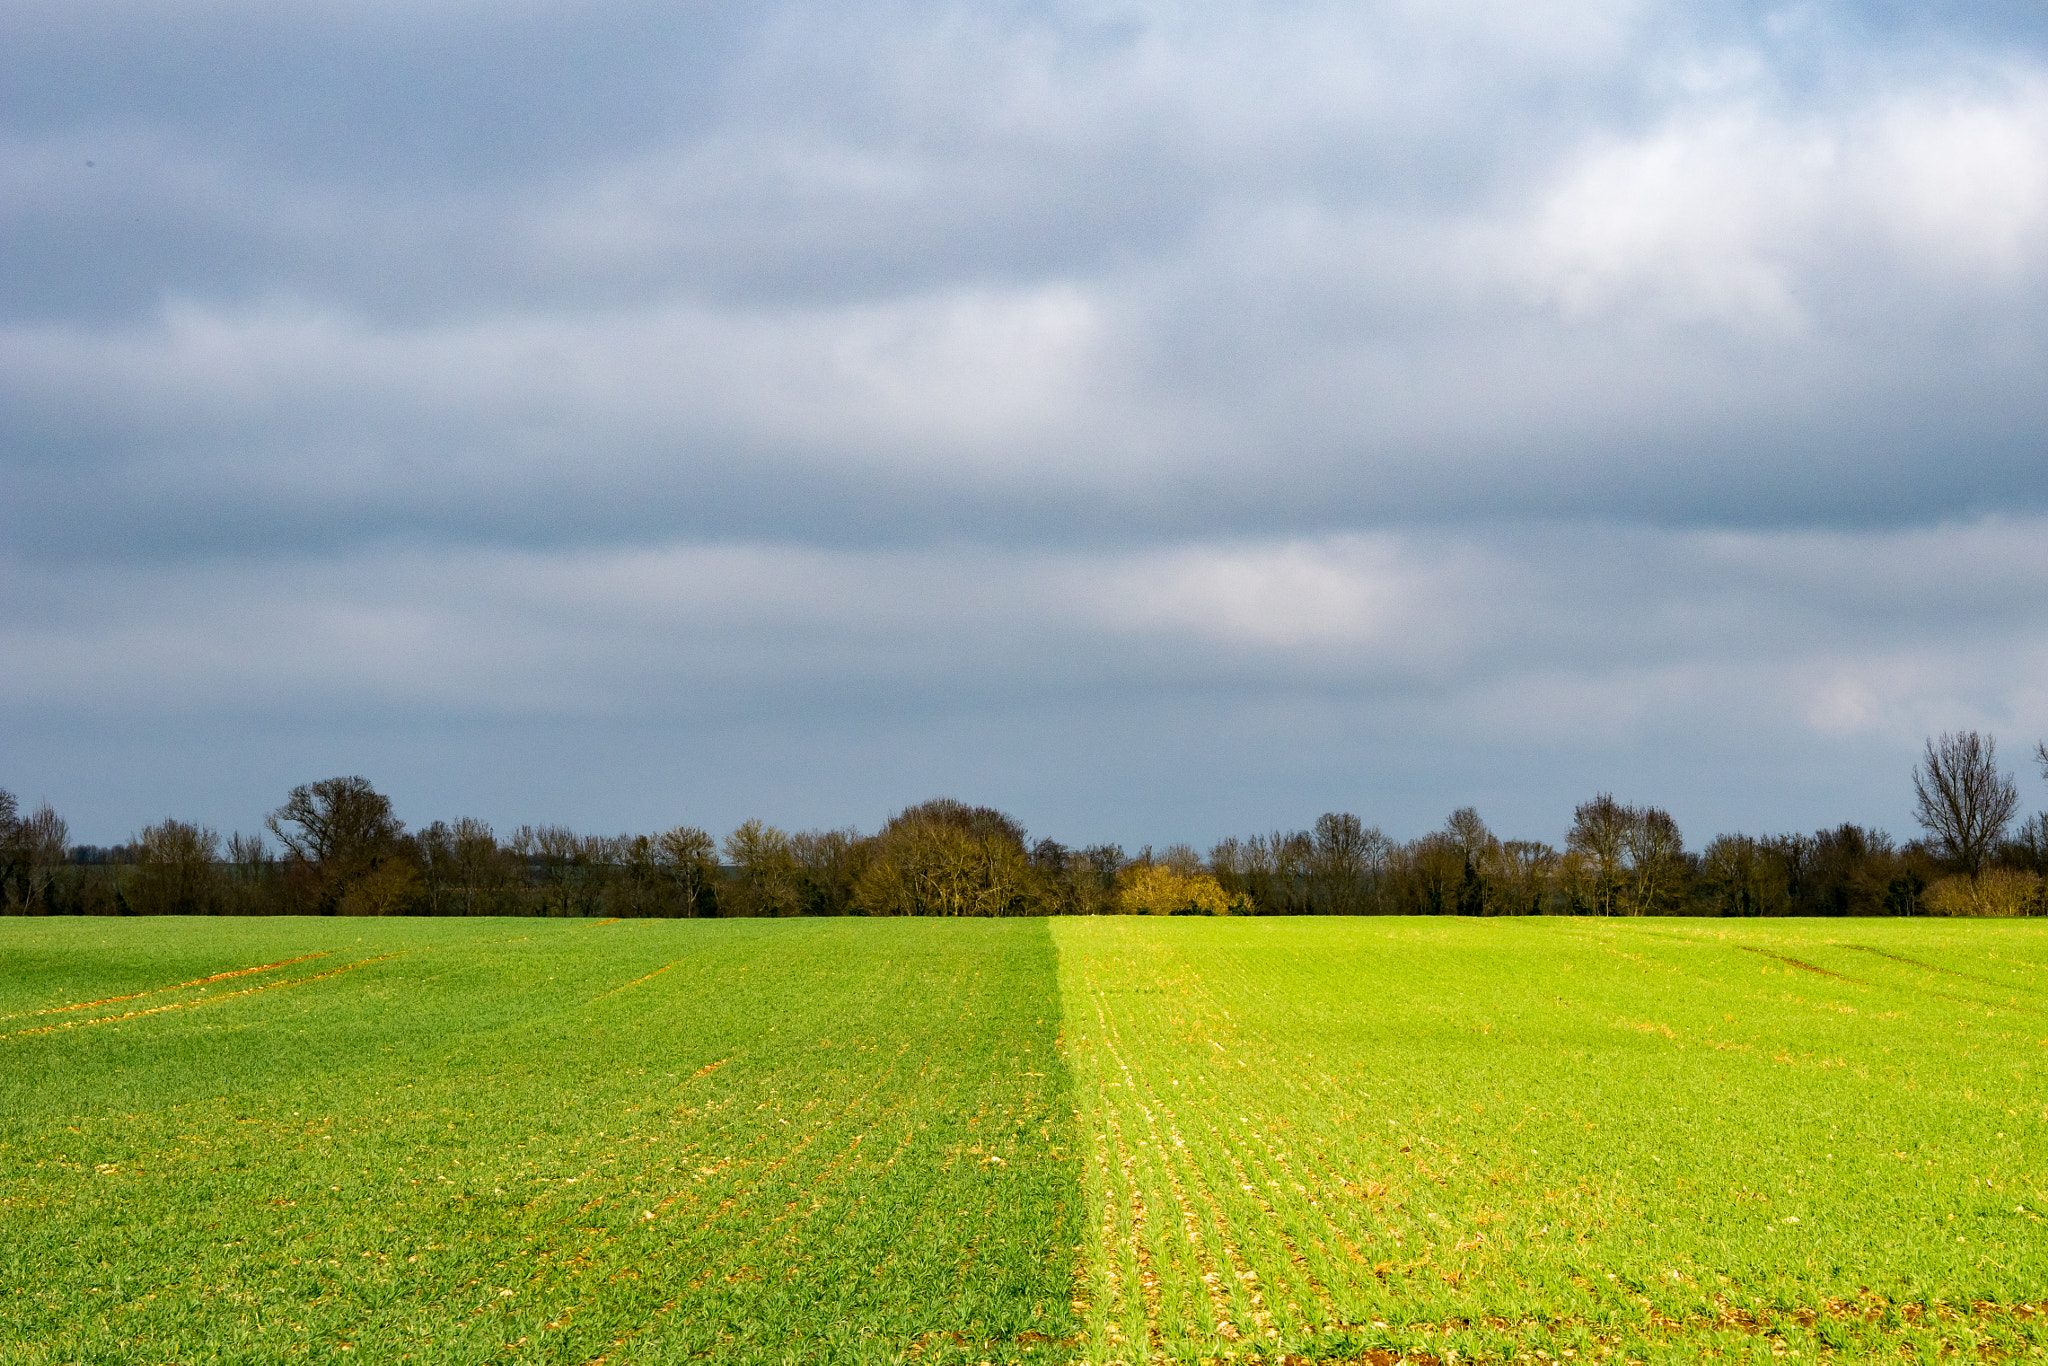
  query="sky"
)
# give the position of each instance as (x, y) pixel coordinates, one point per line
(1160, 421)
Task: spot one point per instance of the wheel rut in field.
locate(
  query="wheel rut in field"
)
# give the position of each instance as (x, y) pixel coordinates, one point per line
(158, 991)
(203, 1000)
(1802, 964)
(1934, 967)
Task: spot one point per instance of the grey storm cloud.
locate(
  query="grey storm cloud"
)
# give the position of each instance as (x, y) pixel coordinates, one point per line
(1388, 402)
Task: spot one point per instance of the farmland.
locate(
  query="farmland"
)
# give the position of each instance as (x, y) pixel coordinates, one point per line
(1098, 1139)
(1499, 1138)
(531, 1141)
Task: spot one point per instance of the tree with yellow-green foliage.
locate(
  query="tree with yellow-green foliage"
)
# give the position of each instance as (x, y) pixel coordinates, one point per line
(1156, 889)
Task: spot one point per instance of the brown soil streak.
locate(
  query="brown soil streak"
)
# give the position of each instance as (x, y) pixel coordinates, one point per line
(1803, 967)
(203, 1000)
(634, 983)
(1930, 967)
(155, 991)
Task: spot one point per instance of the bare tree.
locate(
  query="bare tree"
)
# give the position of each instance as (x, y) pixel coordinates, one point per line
(175, 870)
(1528, 870)
(434, 849)
(1479, 848)
(691, 861)
(766, 881)
(1080, 881)
(31, 852)
(1656, 861)
(2028, 847)
(15, 856)
(479, 863)
(1962, 800)
(1345, 863)
(829, 864)
(250, 867)
(1599, 830)
(1742, 875)
(569, 871)
(1635, 853)
(1434, 866)
(1291, 858)
(342, 827)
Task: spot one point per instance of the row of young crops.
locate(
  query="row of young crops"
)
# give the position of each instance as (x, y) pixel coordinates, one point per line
(1087, 1140)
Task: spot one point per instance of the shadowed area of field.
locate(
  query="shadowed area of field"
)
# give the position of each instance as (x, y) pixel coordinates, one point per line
(1494, 1139)
(532, 1141)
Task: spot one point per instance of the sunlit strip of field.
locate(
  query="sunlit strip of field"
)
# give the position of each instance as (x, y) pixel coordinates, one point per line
(535, 1141)
(1465, 1140)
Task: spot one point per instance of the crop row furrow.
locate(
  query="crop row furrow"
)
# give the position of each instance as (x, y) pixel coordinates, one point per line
(1137, 1249)
(1272, 1220)
(1206, 1273)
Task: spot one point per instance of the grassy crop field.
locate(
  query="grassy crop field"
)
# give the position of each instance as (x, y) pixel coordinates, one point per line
(532, 1140)
(1090, 1140)
(1560, 1139)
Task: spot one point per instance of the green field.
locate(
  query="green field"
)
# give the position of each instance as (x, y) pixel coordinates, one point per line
(529, 1140)
(1075, 1140)
(1504, 1137)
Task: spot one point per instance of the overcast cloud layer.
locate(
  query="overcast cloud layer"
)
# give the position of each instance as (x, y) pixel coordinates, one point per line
(1161, 421)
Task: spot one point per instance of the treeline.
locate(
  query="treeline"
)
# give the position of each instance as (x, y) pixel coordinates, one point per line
(1619, 860)
(337, 848)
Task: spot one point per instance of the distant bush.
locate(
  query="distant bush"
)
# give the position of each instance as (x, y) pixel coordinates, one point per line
(1155, 889)
(394, 887)
(1995, 892)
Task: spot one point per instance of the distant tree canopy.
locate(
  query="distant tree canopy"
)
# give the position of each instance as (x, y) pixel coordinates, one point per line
(345, 852)
(947, 858)
(1633, 856)
(177, 870)
(31, 853)
(339, 834)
